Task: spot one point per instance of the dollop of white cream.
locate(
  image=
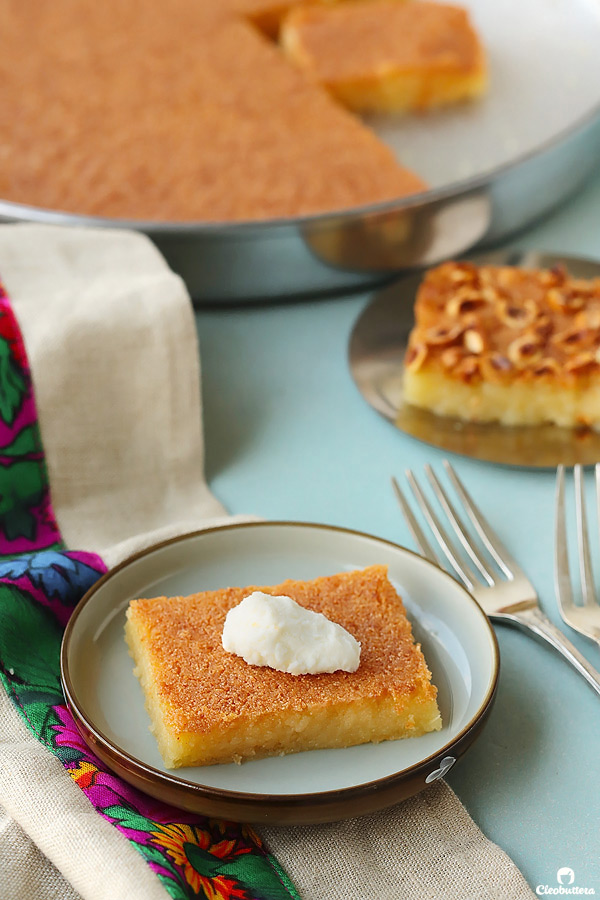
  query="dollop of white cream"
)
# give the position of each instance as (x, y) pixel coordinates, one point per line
(275, 631)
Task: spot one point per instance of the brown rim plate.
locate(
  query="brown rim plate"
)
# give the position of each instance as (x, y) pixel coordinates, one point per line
(318, 786)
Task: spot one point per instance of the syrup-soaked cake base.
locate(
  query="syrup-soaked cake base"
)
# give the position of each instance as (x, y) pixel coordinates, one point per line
(209, 706)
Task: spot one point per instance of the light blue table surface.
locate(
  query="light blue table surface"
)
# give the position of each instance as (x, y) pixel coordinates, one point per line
(289, 437)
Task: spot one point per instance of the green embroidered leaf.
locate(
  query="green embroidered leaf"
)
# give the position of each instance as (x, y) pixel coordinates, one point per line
(129, 818)
(12, 385)
(202, 860)
(26, 442)
(170, 881)
(66, 755)
(22, 486)
(49, 723)
(154, 854)
(256, 874)
(30, 648)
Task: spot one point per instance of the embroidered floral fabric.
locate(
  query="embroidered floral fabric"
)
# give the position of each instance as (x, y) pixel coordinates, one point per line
(40, 583)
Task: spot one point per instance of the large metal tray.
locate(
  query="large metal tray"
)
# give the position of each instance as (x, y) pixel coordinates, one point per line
(494, 165)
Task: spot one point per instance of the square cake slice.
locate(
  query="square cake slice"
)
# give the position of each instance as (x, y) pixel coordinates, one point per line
(208, 706)
(500, 343)
(388, 55)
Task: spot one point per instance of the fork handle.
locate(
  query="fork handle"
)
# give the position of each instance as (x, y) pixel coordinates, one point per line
(535, 620)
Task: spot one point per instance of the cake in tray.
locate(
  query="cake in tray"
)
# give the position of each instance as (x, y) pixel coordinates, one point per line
(187, 113)
(388, 55)
(504, 344)
(208, 706)
(191, 112)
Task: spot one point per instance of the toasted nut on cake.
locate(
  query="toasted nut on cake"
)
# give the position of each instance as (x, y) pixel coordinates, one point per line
(588, 318)
(517, 315)
(564, 301)
(558, 273)
(451, 357)
(459, 275)
(443, 334)
(495, 367)
(467, 368)
(415, 357)
(464, 302)
(583, 286)
(547, 366)
(459, 271)
(543, 327)
(524, 350)
(490, 294)
(473, 341)
(581, 363)
(508, 276)
(571, 339)
(556, 299)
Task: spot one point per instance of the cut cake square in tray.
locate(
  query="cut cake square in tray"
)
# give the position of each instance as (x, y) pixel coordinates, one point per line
(388, 55)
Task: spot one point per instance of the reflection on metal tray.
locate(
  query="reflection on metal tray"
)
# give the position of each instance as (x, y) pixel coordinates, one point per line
(376, 355)
(493, 165)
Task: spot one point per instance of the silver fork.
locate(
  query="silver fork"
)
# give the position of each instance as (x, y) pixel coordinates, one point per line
(584, 617)
(499, 584)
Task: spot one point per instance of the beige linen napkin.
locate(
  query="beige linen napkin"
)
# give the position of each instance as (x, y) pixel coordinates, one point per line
(111, 339)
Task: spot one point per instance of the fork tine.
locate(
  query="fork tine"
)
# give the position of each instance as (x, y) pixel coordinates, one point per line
(562, 573)
(453, 517)
(464, 572)
(490, 539)
(415, 529)
(585, 561)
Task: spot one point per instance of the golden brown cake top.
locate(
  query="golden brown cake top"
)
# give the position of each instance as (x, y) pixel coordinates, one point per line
(202, 685)
(174, 112)
(502, 323)
(383, 37)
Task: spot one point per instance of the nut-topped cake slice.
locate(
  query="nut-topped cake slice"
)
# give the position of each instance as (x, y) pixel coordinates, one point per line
(208, 705)
(500, 343)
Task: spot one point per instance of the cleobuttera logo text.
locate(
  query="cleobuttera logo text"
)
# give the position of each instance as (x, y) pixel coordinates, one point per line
(565, 877)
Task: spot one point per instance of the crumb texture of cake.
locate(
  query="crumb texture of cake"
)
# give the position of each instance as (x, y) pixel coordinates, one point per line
(505, 344)
(388, 55)
(208, 706)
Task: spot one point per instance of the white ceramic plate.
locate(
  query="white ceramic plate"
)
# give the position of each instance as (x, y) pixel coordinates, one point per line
(107, 702)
